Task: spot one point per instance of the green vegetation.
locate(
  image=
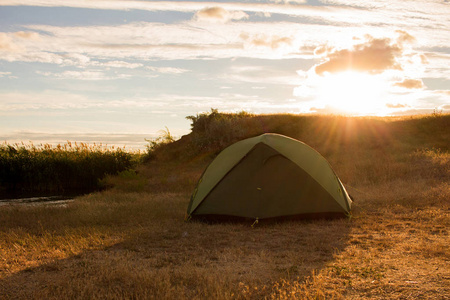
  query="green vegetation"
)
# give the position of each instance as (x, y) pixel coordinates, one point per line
(130, 242)
(164, 138)
(68, 167)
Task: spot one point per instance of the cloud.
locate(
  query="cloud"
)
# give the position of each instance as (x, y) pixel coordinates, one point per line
(121, 64)
(219, 14)
(27, 35)
(410, 83)
(5, 74)
(186, 40)
(83, 75)
(422, 14)
(6, 43)
(373, 56)
(445, 92)
(154, 41)
(262, 40)
(61, 100)
(12, 41)
(52, 99)
(404, 37)
(168, 70)
(262, 74)
(277, 7)
(398, 105)
(289, 1)
(424, 59)
(322, 50)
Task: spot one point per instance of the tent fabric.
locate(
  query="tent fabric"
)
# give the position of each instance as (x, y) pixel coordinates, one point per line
(268, 176)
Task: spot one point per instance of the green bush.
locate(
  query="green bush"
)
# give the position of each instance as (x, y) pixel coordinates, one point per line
(215, 130)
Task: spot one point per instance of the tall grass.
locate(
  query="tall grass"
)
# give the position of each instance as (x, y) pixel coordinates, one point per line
(67, 167)
(164, 138)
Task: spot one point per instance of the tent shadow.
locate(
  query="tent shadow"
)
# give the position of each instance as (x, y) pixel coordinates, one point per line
(184, 255)
(289, 249)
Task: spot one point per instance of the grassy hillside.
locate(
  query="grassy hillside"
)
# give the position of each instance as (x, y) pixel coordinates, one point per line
(131, 241)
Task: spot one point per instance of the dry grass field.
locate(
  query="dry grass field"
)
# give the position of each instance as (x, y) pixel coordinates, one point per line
(131, 242)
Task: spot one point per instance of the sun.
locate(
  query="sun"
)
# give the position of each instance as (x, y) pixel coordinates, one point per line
(353, 93)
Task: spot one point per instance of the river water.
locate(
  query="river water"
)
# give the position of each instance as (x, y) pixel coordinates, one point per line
(34, 201)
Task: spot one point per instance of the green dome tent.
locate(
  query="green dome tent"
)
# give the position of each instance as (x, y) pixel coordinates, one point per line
(269, 176)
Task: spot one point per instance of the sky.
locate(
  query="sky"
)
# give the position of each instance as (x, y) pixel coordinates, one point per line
(119, 71)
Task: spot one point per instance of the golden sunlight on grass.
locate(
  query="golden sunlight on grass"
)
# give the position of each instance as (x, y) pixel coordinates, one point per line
(131, 242)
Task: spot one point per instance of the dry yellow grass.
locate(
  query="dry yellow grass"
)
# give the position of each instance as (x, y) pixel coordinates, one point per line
(131, 242)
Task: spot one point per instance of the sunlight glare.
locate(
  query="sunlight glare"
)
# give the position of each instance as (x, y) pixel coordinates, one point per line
(353, 93)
